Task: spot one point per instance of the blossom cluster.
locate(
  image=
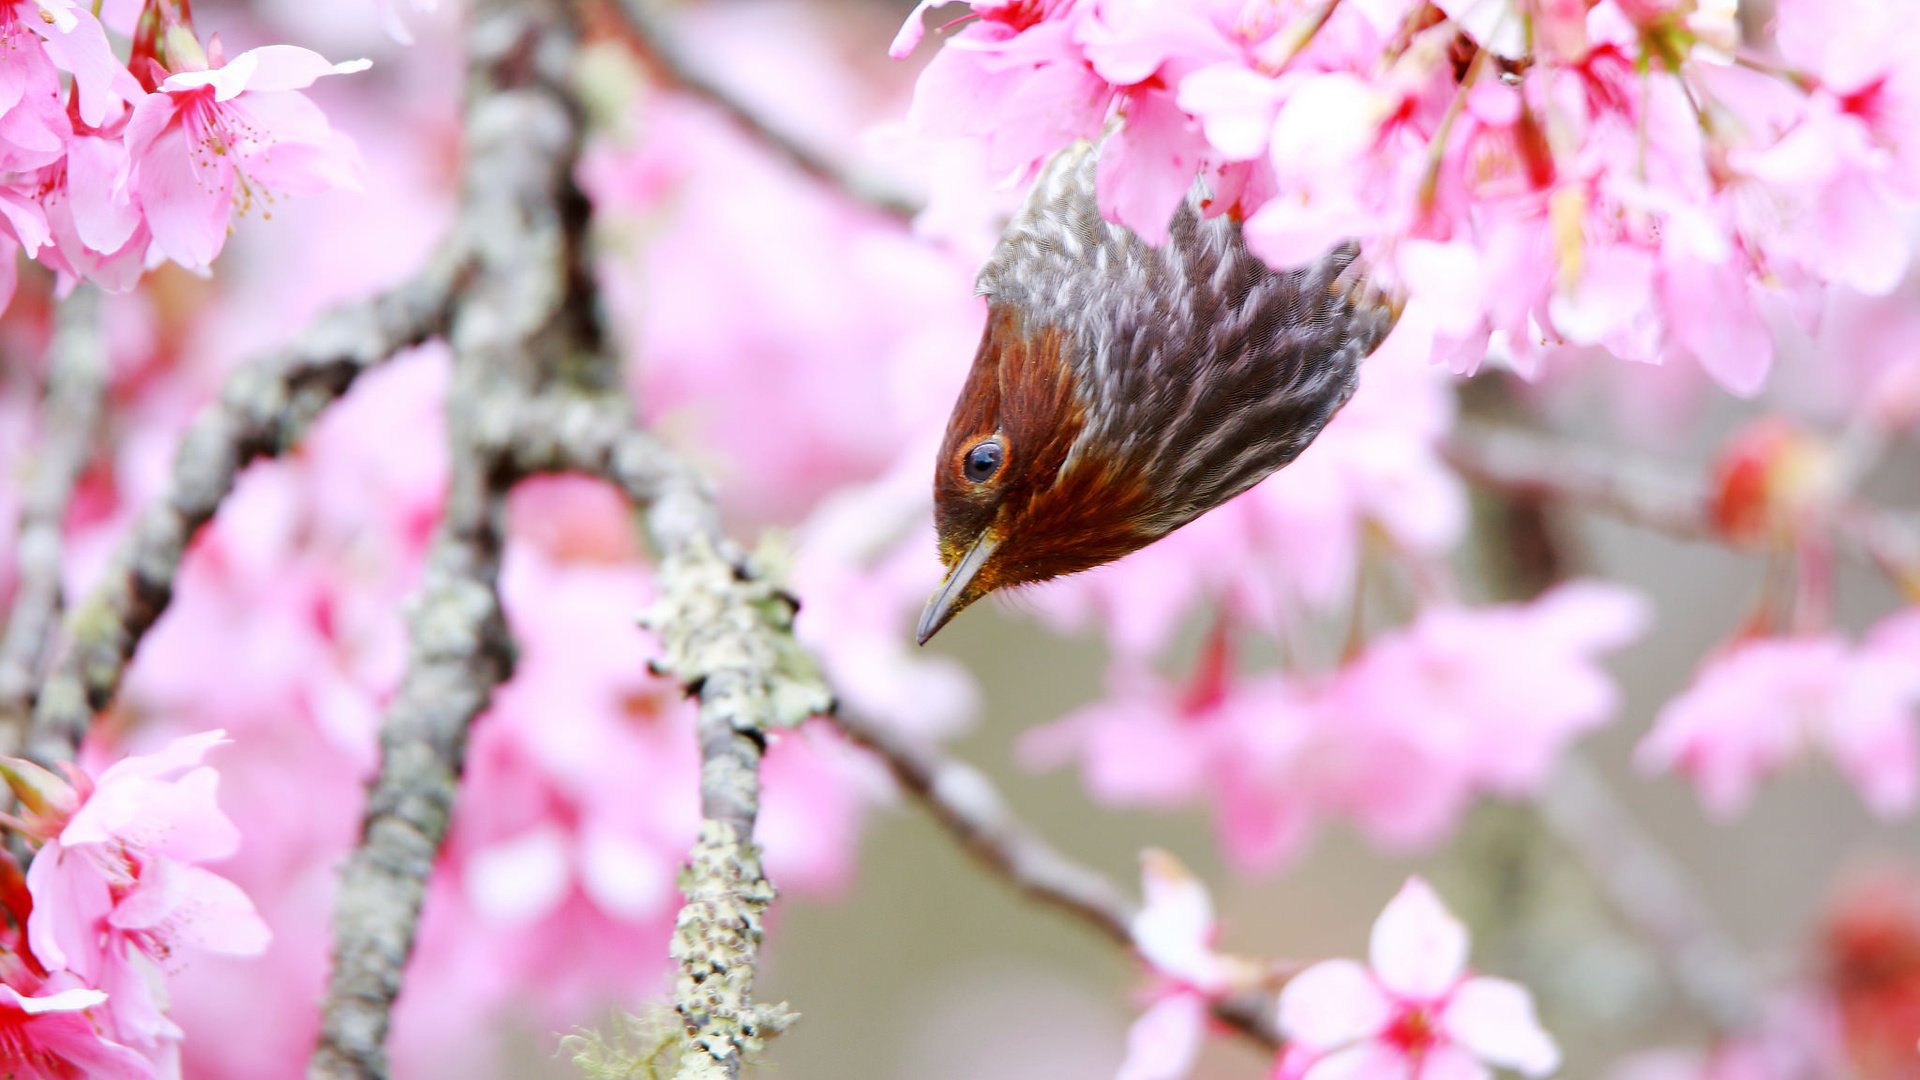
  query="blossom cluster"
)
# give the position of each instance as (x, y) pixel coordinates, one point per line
(1629, 175)
(1461, 702)
(1415, 1009)
(114, 899)
(110, 167)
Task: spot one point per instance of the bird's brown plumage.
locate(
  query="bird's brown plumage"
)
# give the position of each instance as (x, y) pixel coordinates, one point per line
(1127, 389)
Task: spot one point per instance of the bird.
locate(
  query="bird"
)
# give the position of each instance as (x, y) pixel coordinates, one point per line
(1122, 389)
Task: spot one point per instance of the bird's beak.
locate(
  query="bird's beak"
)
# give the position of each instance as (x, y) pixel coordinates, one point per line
(954, 593)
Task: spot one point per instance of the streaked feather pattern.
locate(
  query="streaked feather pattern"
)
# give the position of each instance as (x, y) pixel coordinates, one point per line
(1194, 360)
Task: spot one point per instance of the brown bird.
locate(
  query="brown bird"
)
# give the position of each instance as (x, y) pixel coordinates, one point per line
(1122, 390)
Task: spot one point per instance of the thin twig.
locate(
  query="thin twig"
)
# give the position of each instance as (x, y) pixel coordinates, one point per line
(263, 410)
(1517, 462)
(76, 384)
(964, 802)
(1647, 494)
(650, 35)
(1647, 886)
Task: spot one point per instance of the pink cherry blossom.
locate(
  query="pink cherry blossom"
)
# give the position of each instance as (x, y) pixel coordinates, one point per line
(1416, 1011)
(117, 888)
(74, 40)
(1762, 703)
(233, 138)
(50, 1037)
(1500, 690)
(1400, 739)
(1173, 933)
(1602, 176)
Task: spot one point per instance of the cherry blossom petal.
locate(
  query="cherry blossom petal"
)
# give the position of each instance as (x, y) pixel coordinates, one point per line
(1419, 950)
(195, 907)
(179, 817)
(263, 70)
(1175, 926)
(71, 900)
(1366, 1061)
(1452, 1063)
(1165, 1041)
(186, 205)
(1494, 1018)
(521, 880)
(1332, 1004)
(912, 30)
(103, 213)
(1147, 167)
(1498, 25)
(1235, 106)
(77, 43)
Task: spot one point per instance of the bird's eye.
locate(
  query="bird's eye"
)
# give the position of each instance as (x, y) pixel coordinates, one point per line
(983, 461)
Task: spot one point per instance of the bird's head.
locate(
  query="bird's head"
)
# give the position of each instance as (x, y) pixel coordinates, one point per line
(1123, 389)
(1020, 492)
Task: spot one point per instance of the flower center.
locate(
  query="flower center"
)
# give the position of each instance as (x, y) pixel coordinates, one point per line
(1412, 1030)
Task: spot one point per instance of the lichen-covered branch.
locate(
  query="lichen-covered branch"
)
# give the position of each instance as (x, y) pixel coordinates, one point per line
(265, 407)
(458, 651)
(517, 326)
(964, 802)
(650, 34)
(726, 635)
(76, 383)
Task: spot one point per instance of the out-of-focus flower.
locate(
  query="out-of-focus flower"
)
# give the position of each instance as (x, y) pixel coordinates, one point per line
(1399, 739)
(1771, 481)
(75, 42)
(233, 137)
(1871, 958)
(1416, 1011)
(1763, 701)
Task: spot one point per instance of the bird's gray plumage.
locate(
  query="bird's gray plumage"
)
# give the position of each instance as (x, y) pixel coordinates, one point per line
(1194, 358)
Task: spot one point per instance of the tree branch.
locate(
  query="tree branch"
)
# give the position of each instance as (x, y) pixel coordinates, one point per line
(458, 651)
(76, 384)
(649, 34)
(1640, 492)
(1520, 463)
(964, 802)
(263, 410)
(726, 634)
(519, 325)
